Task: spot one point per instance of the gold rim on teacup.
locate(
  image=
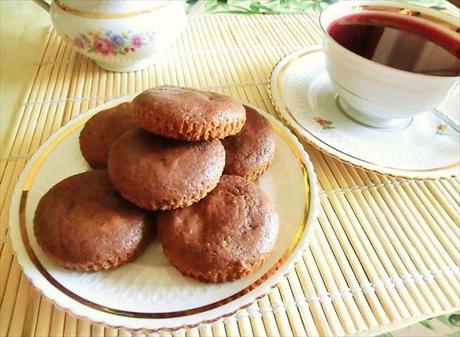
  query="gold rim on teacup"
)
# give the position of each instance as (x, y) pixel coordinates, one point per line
(409, 12)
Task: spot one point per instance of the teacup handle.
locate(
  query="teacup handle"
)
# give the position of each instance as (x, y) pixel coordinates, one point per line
(43, 4)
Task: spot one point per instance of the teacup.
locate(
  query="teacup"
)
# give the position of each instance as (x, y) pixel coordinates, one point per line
(119, 35)
(380, 95)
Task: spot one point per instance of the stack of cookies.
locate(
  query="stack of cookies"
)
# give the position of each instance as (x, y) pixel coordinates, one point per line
(179, 160)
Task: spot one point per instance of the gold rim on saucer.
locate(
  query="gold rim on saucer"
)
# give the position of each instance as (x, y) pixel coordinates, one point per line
(275, 85)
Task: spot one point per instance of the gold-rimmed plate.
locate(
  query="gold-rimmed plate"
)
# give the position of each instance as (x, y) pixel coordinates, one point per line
(306, 101)
(149, 293)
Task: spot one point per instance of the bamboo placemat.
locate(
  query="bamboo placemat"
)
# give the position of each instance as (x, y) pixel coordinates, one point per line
(386, 252)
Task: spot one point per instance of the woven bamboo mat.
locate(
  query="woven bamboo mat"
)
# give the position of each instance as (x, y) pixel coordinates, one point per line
(386, 251)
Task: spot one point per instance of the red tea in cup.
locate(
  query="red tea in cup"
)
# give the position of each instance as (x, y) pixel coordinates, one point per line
(400, 42)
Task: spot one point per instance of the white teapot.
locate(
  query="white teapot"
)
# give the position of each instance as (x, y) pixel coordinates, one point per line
(120, 35)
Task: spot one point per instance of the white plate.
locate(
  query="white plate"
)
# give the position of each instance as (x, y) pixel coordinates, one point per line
(306, 101)
(149, 293)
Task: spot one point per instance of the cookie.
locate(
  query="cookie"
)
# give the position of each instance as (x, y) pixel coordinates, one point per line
(250, 152)
(158, 173)
(223, 237)
(188, 114)
(101, 132)
(84, 224)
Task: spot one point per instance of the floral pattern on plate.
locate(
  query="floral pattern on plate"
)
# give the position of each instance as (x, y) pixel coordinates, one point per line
(324, 123)
(442, 129)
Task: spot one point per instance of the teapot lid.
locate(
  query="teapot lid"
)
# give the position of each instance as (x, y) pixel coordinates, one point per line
(107, 7)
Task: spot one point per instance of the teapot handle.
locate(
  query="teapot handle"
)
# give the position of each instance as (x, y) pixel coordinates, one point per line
(43, 4)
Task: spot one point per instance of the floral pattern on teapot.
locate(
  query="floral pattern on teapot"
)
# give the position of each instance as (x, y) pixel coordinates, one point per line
(111, 43)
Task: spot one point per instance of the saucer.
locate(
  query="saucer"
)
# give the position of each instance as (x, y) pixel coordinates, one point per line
(305, 100)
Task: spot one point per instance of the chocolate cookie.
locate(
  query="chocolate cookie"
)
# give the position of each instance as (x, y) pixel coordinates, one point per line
(160, 173)
(102, 130)
(84, 224)
(223, 237)
(188, 114)
(250, 152)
